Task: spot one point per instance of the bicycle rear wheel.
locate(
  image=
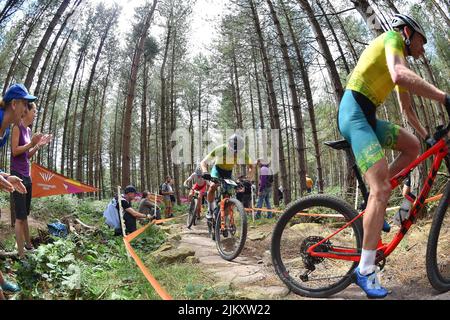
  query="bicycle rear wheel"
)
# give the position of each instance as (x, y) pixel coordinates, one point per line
(296, 231)
(192, 215)
(231, 240)
(438, 247)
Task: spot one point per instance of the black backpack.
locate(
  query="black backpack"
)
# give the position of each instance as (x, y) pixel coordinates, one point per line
(160, 188)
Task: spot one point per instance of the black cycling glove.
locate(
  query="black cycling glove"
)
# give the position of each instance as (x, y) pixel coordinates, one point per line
(206, 176)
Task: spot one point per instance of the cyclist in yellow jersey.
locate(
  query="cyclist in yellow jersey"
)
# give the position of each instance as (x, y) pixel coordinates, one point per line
(225, 158)
(381, 68)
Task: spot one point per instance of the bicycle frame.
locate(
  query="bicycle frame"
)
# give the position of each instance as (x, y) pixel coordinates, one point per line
(222, 197)
(440, 150)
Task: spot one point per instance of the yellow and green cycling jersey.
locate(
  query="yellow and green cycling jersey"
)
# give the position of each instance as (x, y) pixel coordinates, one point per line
(371, 76)
(226, 160)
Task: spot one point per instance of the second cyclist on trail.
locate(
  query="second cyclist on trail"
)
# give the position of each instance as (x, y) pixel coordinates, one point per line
(224, 158)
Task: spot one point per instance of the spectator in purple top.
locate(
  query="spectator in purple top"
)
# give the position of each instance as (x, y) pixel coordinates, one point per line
(265, 187)
(23, 147)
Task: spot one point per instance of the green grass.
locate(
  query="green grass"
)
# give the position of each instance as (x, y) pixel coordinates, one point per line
(97, 266)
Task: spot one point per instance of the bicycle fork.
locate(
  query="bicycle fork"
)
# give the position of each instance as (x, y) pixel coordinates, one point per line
(223, 204)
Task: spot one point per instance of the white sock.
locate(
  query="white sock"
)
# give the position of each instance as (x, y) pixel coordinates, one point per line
(211, 205)
(367, 263)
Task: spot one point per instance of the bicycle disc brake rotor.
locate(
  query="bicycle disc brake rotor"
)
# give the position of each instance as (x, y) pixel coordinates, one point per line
(308, 242)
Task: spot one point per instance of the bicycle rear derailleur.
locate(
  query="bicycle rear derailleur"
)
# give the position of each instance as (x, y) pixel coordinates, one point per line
(309, 261)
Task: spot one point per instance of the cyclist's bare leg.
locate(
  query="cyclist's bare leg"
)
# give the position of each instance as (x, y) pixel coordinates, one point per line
(200, 202)
(211, 192)
(210, 198)
(380, 189)
(409, 146)
(190, 195)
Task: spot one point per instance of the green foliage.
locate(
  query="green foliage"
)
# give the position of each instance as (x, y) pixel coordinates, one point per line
(54, 207)
(97, 267)
(150, 240)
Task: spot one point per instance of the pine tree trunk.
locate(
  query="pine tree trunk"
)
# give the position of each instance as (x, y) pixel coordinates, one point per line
(164, 138)
(331, 66)
(33, 22)
(126, 136)
(369, 15)
(273, 106)
(52, 48)
(298, 117)
(309, 100)
(336, 40)
(81, 137)
(40, 50)
(82, 54)
(143, 136)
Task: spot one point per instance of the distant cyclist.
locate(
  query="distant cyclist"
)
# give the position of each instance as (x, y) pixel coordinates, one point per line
(381, 68)
(224, 158)
(198, 184)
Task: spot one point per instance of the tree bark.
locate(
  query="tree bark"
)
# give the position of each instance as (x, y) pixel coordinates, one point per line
(325, 49)
(40, 50)
(273, 106)
(80, 154)
(126, 137)
(309, 100)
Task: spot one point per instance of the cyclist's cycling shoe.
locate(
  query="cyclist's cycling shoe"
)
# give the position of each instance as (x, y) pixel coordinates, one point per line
(386, 226)
(370, 284)
(10, 287)
(209, 215)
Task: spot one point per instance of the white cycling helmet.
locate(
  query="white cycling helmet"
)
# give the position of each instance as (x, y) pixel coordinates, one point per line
(236, 143)
(401, 20)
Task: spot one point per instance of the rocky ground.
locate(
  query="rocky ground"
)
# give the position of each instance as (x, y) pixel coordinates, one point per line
(252, 276)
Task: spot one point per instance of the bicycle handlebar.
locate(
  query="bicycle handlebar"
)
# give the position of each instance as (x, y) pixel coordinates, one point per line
(222, 181)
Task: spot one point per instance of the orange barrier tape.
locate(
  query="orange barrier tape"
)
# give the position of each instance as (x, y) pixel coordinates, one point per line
(432, 199)
(160, 290)
(155, 284)
(435, 198)
(133, 235)
(298, 214)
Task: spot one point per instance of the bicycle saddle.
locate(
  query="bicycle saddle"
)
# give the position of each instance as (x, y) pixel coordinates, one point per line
(338, 145)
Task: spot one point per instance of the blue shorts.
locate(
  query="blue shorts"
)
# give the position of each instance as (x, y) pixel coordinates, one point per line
(367, 135)
(216, 172)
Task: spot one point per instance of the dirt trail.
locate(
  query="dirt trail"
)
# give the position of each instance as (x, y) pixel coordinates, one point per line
(251, 276)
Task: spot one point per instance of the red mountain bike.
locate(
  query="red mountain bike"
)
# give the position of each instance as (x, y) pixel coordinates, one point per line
(318, 259)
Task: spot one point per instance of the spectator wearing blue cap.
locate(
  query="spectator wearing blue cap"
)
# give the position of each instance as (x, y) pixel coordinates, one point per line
(12, 107)
(130, 215)
(23, 147)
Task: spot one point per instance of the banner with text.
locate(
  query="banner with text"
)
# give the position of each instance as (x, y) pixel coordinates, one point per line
(49, 183)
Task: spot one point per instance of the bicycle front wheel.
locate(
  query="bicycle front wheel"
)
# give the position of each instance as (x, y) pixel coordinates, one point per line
(305, 223)
(191, 217)
(230, 239)
(438, 247)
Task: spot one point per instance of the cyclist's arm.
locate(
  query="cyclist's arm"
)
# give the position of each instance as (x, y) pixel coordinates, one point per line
(204, 163)
(135, 214)
(404, 77)
(410, 115)
(251, 172)
(188, 180)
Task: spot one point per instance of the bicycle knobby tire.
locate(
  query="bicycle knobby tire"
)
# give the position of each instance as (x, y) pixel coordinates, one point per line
(243, 238)
(302, 205)
(435, 277)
